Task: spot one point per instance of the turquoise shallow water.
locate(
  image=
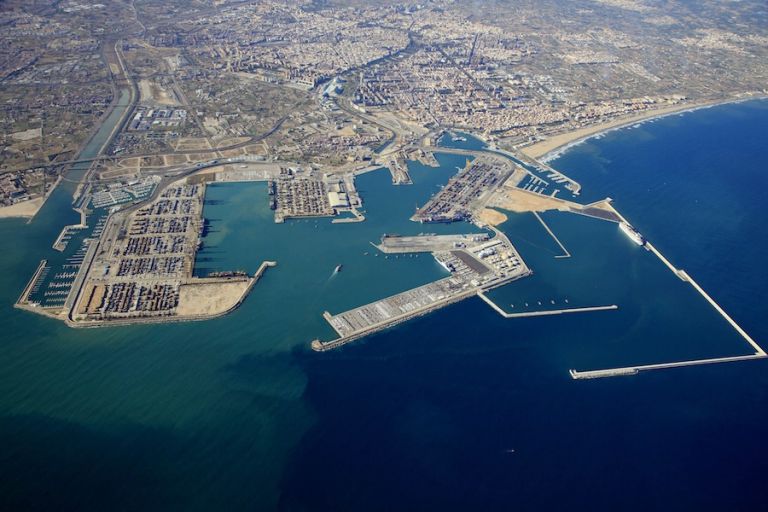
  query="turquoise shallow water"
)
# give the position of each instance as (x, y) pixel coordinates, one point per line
(457, 410)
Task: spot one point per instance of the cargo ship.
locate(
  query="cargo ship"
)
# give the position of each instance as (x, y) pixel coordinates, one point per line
(632, 233)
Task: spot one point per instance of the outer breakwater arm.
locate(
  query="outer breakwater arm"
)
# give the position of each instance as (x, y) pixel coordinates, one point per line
(545, 312)
(633, 370)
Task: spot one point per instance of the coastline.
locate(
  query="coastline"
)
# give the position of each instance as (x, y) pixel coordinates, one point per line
(23, 210)
(551, 148)
(29, 208)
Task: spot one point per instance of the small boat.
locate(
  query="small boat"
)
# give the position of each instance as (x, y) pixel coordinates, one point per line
(338, 268)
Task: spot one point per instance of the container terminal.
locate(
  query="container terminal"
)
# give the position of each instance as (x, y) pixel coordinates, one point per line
(475, 264)
(137, 265)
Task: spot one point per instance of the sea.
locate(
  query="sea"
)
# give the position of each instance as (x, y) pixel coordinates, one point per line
(461, 409)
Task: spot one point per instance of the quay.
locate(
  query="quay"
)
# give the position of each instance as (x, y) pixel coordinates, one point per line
(483, 266)
(349, 332)
(394, 244)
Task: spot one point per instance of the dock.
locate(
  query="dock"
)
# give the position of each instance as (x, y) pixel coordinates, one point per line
(32, 284)
(483, 266)
(364, 320)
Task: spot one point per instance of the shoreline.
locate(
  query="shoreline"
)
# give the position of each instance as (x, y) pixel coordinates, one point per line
(553, 147)
(28, 209)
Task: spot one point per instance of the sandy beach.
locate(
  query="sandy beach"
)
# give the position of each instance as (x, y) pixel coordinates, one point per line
(555, 142)
(25, 209)
(492, 217)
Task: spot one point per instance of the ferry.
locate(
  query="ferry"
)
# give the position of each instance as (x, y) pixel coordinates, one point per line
(632, 233)
(338, 268)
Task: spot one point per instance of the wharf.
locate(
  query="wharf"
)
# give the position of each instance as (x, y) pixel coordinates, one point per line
(357, 217)
(484, 266)
(359, 322)
(66, 233)
(398, 168)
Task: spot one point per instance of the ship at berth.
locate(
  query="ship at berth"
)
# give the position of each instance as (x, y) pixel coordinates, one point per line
(632, 233)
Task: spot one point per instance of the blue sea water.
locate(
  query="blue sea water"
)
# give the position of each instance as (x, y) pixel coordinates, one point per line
(461, 411)
(457, 410)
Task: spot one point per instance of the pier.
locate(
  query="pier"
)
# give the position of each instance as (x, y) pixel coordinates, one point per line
(33, 284)
(62, 241)
(565, 254)
(546, 312)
